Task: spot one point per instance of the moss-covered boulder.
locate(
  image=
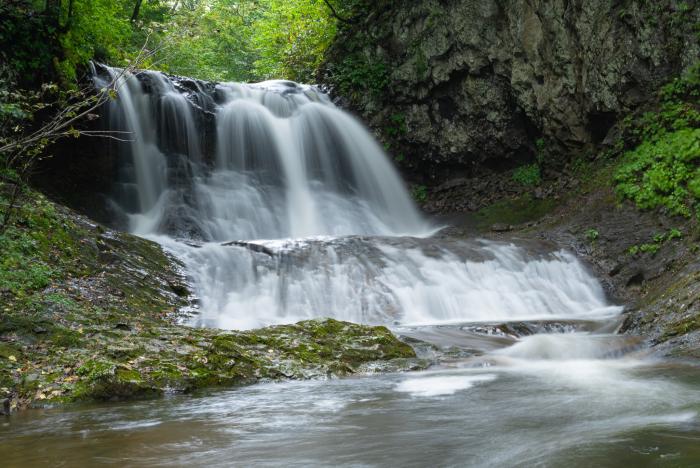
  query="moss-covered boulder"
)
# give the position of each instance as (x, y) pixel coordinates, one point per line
(91, 314)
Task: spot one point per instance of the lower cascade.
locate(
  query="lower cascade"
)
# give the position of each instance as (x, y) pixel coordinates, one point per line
(295, 212)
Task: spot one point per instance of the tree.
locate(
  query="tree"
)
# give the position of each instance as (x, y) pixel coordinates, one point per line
(20, 149)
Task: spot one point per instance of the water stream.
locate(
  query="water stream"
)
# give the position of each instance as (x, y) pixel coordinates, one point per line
(283, 207)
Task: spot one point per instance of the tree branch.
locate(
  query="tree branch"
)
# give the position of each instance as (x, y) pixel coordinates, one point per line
(336, 15)
(20, 155)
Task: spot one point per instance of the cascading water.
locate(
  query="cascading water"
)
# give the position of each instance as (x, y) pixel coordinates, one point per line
(282, 208)
(297, 213)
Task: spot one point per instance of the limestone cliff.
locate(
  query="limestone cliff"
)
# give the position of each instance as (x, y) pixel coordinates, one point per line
(455, 86)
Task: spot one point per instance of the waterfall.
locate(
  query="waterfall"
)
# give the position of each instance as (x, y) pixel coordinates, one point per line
(287, 163)
(284, 207)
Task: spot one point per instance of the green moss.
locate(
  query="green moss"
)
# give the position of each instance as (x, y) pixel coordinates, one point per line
(66, 338)
(39, 247)
(514, 211)
(421, 64)
(94, 369)
(682, 327)
(128, 375)
(7, 350)
(165, 374)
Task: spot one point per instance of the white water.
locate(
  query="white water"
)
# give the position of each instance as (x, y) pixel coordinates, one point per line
(288, 166)
(385, 281)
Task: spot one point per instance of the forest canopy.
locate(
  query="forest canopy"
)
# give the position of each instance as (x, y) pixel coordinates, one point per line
(223, 40)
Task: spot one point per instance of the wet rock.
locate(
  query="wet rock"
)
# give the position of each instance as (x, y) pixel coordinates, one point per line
(394, 365)
(501, 227)
(476, 83)
(180, 289)
(252, 246)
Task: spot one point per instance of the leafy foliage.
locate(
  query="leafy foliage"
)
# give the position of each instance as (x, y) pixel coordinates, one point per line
(241, 40)
(592, 234)
(357, 74)
(684, 88)
(528, 175)
(662, 170)
(420, 193)
(290, 38)
(657, 241)
(27, 42)
(397, 125)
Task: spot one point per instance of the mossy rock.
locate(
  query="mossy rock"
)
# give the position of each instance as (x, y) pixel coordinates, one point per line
(104, 325)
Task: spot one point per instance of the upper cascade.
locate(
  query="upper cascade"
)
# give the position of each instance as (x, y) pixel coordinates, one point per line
(233, 161)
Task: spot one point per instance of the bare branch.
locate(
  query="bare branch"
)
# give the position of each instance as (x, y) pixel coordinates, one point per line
(336, 15)
(21, 154)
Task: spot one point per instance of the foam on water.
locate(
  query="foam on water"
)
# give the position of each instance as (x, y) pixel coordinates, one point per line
(442, 385)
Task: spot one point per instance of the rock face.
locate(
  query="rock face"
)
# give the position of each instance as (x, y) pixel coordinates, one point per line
(461, 85)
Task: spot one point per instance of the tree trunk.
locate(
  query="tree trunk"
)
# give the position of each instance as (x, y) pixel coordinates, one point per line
(137, 8)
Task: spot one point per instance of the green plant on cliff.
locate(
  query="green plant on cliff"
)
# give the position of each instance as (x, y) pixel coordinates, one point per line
(357, 74)
(396, 126)
(662, 168)
(592, 234)
(528, 175)
(663, 172)
(420, 193)
(656, 243)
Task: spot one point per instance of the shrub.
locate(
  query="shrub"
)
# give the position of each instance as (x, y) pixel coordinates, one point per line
(357, 74)
(662, 168)
(592, 234)
(663, 172)
(528, 175)
(420, 193)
